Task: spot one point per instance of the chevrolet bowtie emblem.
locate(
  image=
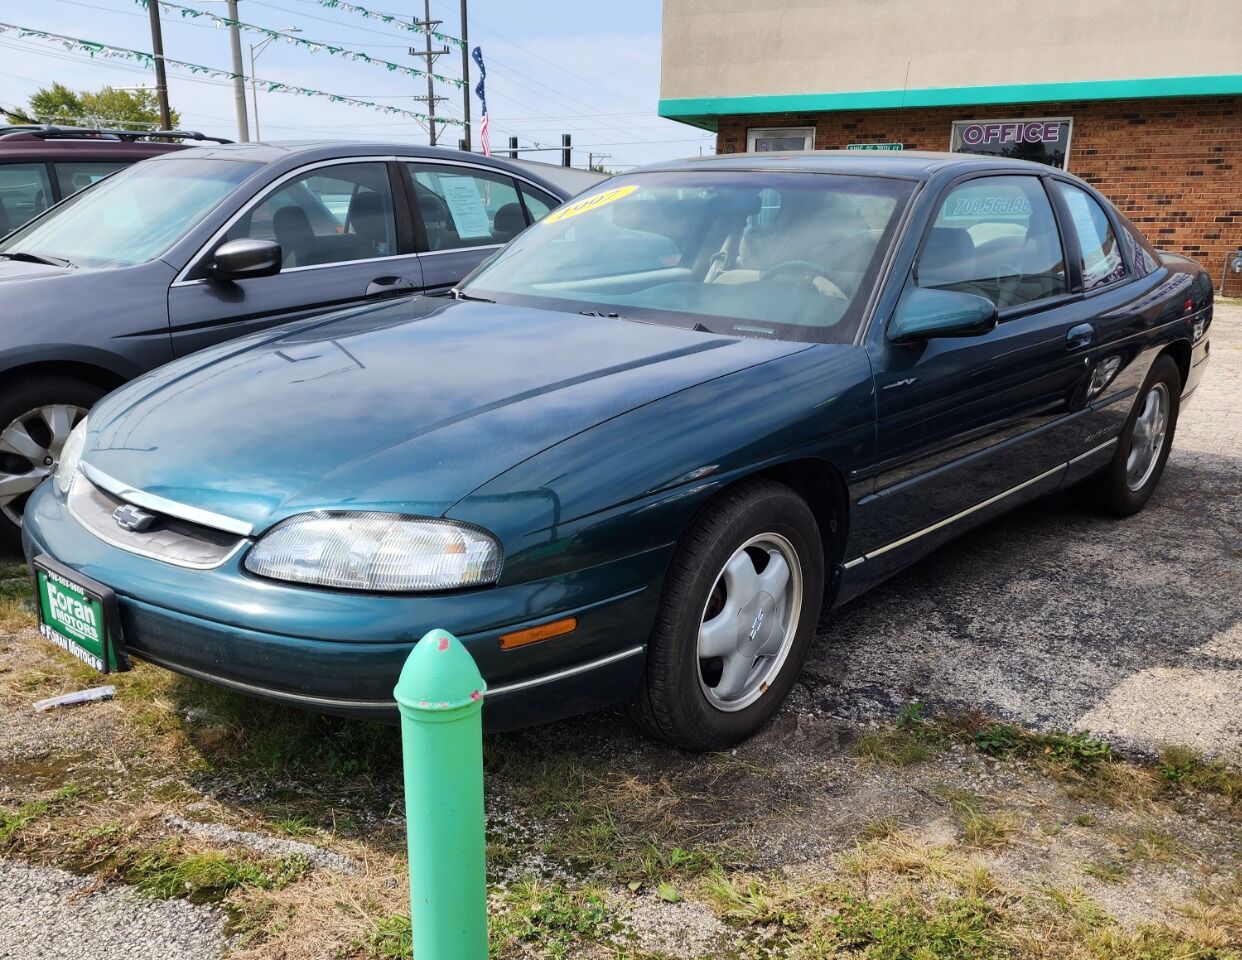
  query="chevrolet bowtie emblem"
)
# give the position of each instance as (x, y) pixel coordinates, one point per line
(134, 519)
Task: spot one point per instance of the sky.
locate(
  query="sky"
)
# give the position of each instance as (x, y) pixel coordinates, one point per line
(553, 67)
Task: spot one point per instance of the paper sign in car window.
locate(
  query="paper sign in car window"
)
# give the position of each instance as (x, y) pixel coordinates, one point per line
(587, 204)
(466, 207)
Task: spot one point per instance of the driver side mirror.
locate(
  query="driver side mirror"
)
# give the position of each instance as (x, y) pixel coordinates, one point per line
(924, 313)
(240, 259)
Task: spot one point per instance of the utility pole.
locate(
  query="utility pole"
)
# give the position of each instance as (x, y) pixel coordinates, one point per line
(239, 78)
(465, 75)
(429, 56)
(161, 79)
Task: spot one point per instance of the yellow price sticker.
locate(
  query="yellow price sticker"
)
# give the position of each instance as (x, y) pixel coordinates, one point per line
(589, 203)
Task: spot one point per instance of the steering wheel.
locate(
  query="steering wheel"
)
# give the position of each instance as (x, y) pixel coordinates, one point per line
(808, 271)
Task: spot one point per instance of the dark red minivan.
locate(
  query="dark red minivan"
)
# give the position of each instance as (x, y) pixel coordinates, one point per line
(41, 165)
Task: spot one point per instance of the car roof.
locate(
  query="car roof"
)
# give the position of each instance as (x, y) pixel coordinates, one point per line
(914, 164)
(17, 147)
(294, 153)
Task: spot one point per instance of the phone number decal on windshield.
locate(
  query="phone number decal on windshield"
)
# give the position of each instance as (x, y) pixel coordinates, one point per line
(589, 203)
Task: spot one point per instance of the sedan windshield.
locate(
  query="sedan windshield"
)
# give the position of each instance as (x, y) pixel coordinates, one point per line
(789, 256)
(131, 217)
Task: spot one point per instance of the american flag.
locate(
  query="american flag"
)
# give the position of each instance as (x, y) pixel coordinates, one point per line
(479, 91)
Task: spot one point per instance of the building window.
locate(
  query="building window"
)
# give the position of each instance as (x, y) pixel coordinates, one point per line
(1042, 139)
(767, 139)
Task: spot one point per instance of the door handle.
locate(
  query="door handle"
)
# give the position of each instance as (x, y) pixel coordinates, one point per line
(1080, 336)
(389, 286)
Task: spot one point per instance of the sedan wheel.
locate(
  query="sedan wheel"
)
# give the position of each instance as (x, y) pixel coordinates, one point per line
(737, 615)
(38, 416)
(749, 621)
(1131, 477)
(29, 451)
(1147, 440)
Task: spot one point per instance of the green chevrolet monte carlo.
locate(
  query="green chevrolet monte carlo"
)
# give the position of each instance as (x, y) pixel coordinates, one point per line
(638, 452)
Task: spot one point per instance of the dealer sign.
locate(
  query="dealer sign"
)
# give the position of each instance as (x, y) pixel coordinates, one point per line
(1042, 139)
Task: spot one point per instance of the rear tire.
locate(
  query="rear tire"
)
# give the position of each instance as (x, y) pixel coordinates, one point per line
(738, 613)
(1127, 483)
(36, 416)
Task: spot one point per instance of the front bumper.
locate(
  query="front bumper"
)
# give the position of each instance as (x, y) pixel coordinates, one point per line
(341, 652)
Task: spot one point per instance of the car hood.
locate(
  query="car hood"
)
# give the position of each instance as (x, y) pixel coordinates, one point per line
(24, 270)
(406, 407)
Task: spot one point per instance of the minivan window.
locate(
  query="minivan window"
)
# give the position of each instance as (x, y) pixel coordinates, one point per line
(78, 175)
(133, 216)
(24, 193)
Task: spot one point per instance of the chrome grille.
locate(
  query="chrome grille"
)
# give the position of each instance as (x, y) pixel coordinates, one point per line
(171, 540)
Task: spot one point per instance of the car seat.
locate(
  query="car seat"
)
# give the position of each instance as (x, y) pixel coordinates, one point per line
(508, 222)
(368, 215)
(293, 232)
(949, 261)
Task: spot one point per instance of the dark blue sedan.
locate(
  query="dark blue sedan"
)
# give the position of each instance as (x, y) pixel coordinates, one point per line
(640, 449)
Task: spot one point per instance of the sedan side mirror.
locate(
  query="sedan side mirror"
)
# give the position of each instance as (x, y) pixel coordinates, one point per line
(924, 313)
(239, 259)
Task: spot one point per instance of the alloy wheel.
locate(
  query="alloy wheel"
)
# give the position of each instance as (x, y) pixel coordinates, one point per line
(749, 622)
(1147, 440)
(29, 451)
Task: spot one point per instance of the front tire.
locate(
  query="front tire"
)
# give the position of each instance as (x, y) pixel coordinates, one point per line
(1127, 483)
(740, 605)
(36, 417)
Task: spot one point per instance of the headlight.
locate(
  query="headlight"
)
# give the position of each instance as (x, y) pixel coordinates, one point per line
(376, 551)
(70, 457)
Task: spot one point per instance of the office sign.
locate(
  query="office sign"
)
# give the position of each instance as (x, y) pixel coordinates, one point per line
(1042, 139)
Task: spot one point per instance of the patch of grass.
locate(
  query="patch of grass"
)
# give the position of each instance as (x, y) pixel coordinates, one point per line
(912, 740)
(1110, 872)
(166, 871)
(1078, 751)
(963, 928)
(751, 899)
(12, 822)
(551, 917)
(979, 827)
(1184, 769)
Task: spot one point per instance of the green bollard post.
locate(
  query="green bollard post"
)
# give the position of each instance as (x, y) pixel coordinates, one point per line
(440, 694)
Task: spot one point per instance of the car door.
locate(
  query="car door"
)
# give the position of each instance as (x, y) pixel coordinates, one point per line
(464, 214)
(966, 422)
(346, 238)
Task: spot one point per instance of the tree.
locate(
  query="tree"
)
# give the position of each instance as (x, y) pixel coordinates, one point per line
(108, 107)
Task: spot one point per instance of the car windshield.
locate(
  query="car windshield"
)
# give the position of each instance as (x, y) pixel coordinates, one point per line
(131, 217)
(789, 256)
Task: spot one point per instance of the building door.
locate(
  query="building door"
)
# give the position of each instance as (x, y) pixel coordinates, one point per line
(767, 139)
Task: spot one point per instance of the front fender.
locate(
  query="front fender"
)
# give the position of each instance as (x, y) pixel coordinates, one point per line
(632, 483)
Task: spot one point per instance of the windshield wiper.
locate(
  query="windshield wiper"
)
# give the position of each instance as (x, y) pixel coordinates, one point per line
(458, 295)
(37, 258)
(596, 313)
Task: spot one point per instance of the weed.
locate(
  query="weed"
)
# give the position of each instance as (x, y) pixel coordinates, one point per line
(1078, 751)
(1183, 768)
(912, 740)
(1111, 872)
(14, 821)
(555, 917)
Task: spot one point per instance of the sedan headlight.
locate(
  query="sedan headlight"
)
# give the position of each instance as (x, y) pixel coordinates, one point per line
(376, 551)
(70, 457)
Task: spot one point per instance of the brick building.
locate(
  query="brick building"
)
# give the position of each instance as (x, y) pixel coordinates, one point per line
(1145, 105)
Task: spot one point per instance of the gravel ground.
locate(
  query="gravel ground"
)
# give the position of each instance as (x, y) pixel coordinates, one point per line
(1056, 618)
(47, 914)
